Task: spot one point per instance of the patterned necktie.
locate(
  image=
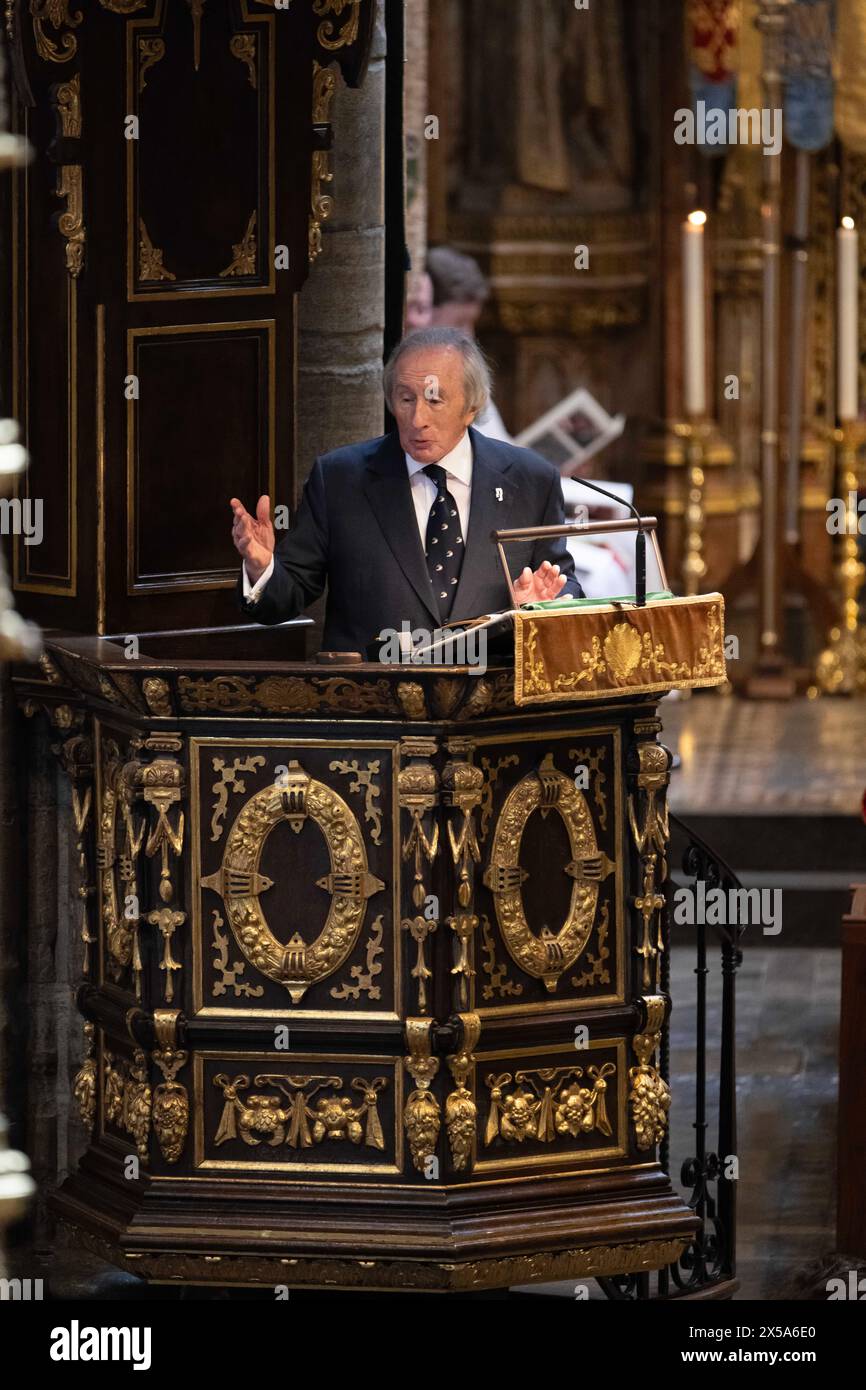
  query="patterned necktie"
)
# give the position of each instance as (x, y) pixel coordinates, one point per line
(443, 546)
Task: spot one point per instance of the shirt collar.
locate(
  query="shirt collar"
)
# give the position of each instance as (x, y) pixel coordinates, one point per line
(457, 464)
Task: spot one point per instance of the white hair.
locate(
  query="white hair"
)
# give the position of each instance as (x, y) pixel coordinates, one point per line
(476, 373)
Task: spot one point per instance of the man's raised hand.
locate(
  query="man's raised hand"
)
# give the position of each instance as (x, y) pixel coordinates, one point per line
(545, 583)
(254, 536)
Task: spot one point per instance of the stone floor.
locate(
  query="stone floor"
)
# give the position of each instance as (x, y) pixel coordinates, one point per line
(796, 757)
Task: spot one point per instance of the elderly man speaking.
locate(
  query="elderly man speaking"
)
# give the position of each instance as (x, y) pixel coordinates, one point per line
(398, 528)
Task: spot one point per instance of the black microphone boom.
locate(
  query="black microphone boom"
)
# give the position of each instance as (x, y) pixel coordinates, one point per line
(639, 543)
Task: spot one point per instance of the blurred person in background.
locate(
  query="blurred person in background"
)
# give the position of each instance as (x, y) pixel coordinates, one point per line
(459, 293)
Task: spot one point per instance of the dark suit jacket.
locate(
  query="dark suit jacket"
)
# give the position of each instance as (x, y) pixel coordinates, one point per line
(356, 531)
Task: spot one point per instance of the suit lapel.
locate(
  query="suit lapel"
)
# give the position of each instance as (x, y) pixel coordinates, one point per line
(488, 511)
(386, 487)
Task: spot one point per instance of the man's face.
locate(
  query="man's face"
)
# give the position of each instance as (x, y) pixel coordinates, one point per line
(428, 402)
(452, 314)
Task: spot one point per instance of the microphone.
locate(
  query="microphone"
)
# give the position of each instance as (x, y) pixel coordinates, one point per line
(639, 543)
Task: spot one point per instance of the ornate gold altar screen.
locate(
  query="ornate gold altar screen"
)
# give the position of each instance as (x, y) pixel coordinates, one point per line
(373, 958)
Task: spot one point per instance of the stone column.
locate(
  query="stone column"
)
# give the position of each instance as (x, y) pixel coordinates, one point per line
(416, 109)
(342, 305)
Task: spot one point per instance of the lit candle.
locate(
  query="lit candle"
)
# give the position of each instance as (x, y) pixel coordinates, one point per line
(694, 331)
(847, 287)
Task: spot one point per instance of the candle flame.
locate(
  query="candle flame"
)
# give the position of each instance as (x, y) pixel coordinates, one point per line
(697, 218)
(848, 223)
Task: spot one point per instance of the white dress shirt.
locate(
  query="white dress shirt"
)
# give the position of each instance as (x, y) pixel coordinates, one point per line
(458, 468)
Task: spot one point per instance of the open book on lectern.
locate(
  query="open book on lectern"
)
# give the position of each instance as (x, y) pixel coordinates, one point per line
(651, 585)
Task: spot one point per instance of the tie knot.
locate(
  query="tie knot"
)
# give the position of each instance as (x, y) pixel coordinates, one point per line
(436, 473)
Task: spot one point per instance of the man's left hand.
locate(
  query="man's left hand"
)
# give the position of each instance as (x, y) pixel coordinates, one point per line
(545, 583)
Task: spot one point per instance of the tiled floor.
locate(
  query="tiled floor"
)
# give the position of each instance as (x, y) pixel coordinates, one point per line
(787, 1036)
(797, 757)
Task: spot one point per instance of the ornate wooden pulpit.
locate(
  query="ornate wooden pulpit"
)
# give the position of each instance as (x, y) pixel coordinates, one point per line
(374, 957)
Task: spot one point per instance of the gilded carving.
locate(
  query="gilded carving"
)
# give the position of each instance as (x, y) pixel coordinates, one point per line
(243, 260)
(150, 266)
(50, 670)
(411, 697)
(56, 13)
(243, 47)
(498, 977)
(167, 920)
(230, 975)
(77, 761)
(161, 783)
(479, 701)
(651, 840)
(123, 6)
(67, 99)
(491, 772)
(364, 780)
(497, 1272)
(328, 33)
(548, 1104)
(170, 1099)
(156, 694)
(364, 975)
(228, 778)
(418, 784)
(127, 1098)
(297, 964)
(118, 873)
(84, 1085)
(419, 928)
(422, 1118)
(597, 971)
(284, 695)
(547, 955)
(70, 177)
(291, 1119)
(592, 760)
(650, 1096)
(462, 791)
(321, 203)
(460, 1108)
(150, 52)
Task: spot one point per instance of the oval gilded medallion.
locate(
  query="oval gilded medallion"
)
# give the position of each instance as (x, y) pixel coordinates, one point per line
(548, 954)
(296, 964)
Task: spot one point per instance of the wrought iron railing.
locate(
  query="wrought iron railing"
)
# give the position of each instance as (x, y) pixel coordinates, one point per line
(708, 1265)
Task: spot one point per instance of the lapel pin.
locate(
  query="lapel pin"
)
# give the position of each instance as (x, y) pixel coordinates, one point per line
(499, 494)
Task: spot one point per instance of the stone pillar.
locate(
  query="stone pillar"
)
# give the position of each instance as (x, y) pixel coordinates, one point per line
(416, 108)
(342, 305)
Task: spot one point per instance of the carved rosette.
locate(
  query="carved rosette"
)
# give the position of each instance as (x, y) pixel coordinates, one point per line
(418, 791)
(547, 955)
(648, 819)
(297, 964)
(460, 1109)
(462, 790)
(650, 1096)
(422, 1117)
